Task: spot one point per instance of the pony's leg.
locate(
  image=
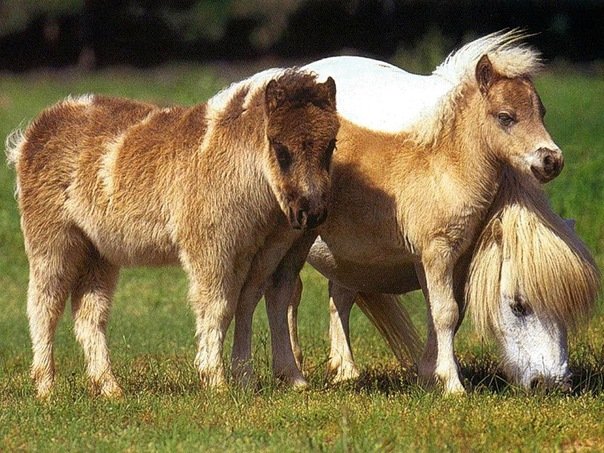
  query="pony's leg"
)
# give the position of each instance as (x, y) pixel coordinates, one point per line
(265, 262)
(46, 296)
(242, 340)
(213, 293)
(91, 303)
(341, 363)
(292, 321)
(241, 359)
(55, 254)
(438, 361)
(282, 297)
(278, 296)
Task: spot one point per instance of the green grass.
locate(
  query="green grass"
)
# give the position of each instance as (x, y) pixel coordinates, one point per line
(151, 332)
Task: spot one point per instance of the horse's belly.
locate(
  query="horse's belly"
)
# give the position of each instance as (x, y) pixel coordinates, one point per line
(128, 252)
(130, 243)
(393, 274)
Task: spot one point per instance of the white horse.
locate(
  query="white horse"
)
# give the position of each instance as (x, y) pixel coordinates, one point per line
(418, 165)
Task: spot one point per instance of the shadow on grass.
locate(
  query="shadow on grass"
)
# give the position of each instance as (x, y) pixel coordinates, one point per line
(480, 375)
(176, 376)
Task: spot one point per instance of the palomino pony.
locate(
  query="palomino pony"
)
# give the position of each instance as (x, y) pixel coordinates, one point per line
(530, 279)
(418, 166)
(104, 183)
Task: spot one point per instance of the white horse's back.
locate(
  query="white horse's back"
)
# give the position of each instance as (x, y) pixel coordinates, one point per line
(379, 96)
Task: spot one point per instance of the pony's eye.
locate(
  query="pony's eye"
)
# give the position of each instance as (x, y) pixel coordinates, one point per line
(331, 146)
(519, 307)
(505, 119)
(283, 156)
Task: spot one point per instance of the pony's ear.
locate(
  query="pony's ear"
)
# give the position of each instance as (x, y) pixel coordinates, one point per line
(485, 74)
(329, 87)
(497, 231)
(273, 95)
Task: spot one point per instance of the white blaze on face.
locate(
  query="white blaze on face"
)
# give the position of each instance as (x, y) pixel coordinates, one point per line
(535, 348)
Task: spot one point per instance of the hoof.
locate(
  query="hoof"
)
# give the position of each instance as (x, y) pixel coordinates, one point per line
(446, 379)
(300, 384)
(243, 375)
(212, 378)
(44, 393)
(111, 390)
(343, 373)
(294, 382)
(455, 390)
(247, 381)
(44, 389)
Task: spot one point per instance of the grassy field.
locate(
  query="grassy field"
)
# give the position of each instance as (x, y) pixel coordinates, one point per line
(151, 332)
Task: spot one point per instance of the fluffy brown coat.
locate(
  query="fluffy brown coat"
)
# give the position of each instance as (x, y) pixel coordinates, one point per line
(104, 183)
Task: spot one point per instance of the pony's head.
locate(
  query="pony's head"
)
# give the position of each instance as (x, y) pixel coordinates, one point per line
(491, 80)
(530, 280)
(301, 129)
(513, 128)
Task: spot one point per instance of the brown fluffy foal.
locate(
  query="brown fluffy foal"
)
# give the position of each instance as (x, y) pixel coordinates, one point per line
(104, 183)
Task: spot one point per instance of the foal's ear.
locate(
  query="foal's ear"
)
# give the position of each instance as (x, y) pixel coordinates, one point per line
(273, 95)
(329, 87)
(485, 74)
(497, 231)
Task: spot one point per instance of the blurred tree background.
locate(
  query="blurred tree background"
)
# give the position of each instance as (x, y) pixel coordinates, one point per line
(97, 33)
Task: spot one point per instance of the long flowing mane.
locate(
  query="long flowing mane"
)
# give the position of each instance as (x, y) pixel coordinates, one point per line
(555, 271)
(510, 58)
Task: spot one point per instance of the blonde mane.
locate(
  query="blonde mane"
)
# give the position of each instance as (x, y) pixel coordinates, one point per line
(510, 58)
(553, 269)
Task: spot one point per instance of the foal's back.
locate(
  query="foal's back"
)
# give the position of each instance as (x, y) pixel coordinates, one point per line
(100, 165)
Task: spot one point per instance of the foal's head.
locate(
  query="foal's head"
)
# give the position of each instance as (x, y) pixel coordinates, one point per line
(513, 125)
(301, 129)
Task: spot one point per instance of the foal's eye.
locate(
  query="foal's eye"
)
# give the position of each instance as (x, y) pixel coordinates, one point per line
(505, 119)
(331, 146)
(283, 156)
(519, 307)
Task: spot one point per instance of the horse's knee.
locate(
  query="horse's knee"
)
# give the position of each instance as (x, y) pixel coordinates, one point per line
(445, 316)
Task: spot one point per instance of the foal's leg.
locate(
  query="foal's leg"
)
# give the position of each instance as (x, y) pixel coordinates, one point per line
(282, 299)
(438, 361)
(278, 296)
(264, 264)
(91, 303)
(213, 293)
(341, 363)
(46, 296)
(242, 342)
(55, 255)
(241, 359)
(292, 321)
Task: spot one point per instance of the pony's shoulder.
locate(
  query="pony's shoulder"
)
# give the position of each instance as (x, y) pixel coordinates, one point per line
(379, 96)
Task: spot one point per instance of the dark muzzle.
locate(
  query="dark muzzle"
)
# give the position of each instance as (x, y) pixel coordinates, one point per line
(549, 164)
(304, 214)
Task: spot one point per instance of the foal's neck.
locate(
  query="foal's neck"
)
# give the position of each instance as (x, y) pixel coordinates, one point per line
(471, 160)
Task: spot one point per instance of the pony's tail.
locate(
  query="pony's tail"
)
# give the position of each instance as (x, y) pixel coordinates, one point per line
(13, 144)
(394, 324)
